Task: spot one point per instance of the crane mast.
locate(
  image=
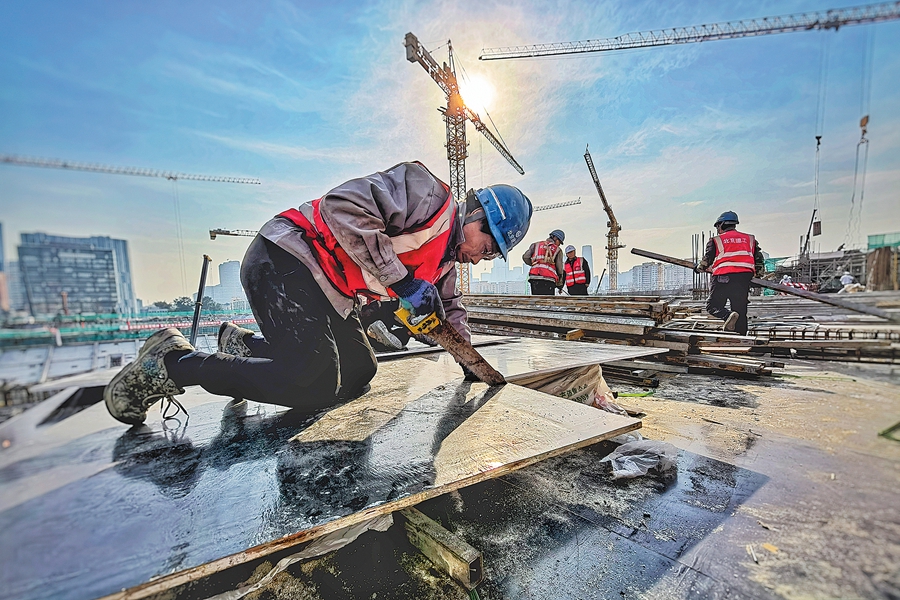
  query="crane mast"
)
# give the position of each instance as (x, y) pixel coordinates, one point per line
(830, 19)
(456, 113)
(612, 238)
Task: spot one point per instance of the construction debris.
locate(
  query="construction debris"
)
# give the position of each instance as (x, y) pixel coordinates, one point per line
(780, 327)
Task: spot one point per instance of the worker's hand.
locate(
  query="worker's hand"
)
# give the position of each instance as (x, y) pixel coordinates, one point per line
(419, 297)
(469, 375)
(699, 269)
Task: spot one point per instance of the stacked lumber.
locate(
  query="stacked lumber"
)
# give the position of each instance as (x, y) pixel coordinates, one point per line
(631, 320)
(794, 327)
(780, 326)
(616, 317)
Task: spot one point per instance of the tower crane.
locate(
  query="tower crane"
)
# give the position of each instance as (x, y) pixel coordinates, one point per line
(236, 232)
(829, 19)
(612, 238)
(557, 205)
(173, 176)
(54, 163)
(456, 113)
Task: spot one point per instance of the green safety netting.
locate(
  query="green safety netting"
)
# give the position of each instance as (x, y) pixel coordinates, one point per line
(771, 263)
(883, 240)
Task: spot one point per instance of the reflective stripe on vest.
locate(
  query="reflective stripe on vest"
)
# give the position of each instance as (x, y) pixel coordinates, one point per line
(543, 263)
(734, 253)
(421, 250)
(575, 272)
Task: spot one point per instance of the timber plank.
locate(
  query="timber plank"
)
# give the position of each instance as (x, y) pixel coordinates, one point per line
(149, 508)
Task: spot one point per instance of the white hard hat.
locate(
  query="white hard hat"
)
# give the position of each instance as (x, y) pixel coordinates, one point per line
(570, 248)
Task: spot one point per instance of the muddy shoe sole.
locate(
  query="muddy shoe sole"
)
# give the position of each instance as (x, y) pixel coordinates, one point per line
(231, 340)
(143, 382)
(378, 331)
(731, 321)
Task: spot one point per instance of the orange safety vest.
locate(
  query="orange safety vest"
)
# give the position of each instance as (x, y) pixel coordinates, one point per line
(734, 253)
(543, 263)
(575, 272)
(421, 250)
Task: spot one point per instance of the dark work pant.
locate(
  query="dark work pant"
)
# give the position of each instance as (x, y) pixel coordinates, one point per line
(541, 287)
(308, 356)
(733, 288)
(577, 289)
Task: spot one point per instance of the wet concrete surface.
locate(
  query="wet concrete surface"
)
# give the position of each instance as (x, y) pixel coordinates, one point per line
(230, 479)
(559, 529)
(789, 466)
(89, 507)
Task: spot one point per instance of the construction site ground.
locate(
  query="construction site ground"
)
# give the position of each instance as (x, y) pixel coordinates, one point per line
(783, 490)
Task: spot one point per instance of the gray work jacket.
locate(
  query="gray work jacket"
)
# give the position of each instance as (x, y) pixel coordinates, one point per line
(363, 214)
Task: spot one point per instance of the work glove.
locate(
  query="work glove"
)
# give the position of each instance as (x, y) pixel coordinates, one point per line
(424, 339)
(419, 297)
(469, 375)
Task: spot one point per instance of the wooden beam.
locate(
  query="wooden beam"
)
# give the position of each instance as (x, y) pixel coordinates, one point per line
(449, 553)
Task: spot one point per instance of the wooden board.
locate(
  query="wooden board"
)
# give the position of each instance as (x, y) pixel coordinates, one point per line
(239, 481)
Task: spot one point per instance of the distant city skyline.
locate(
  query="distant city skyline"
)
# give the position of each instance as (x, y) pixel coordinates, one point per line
(306, 95)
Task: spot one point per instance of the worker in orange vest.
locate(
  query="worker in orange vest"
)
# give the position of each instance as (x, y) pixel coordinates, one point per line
(545, 258)
(393, 235)
(578, 273)
(732, 257)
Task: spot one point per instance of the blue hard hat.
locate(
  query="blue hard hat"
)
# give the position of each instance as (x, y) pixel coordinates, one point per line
(558, 234)
(508, 213)
(727, 217)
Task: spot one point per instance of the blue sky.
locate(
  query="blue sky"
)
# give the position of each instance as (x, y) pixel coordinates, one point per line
(306, 95)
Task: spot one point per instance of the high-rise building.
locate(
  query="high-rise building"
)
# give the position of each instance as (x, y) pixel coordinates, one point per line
(4, 286)
(678, 278)
(647, 277)
(587, 253)
(81, 275)
(14, 284)
(229, 290)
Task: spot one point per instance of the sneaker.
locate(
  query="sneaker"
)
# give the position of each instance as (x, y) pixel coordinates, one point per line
(140, 384)
(231, 339)
(378, 331)
(731, 321)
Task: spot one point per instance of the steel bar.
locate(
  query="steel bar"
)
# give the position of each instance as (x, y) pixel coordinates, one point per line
(198, 305)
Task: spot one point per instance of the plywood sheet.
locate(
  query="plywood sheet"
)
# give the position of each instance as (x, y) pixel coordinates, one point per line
(237, 481)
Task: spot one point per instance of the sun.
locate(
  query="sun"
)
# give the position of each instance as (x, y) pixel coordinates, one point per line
(477, 93)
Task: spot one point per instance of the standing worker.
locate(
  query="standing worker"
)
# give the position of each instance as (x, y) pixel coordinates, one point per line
(546, 261)
(732, 257)
(847, 278)
(578, 273)
(393, 234)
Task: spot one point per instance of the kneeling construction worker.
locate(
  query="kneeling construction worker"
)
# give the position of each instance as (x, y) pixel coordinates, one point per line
(732, 257)
(546, 261)
(578, 273)
(393, 234)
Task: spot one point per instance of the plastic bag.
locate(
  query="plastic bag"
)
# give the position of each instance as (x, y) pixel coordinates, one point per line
(638, 458)
(579, 384)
